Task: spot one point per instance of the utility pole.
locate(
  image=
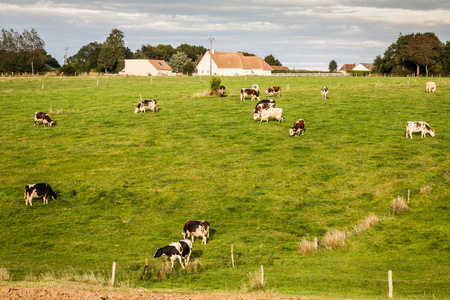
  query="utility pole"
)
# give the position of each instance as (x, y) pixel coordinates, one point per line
(65, 56)
(211, 40)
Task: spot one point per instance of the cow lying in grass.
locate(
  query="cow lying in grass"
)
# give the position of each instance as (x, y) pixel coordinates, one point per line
(176, 250)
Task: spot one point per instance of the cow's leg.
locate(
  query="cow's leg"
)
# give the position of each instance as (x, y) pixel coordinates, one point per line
(192, 239)
(179, 258)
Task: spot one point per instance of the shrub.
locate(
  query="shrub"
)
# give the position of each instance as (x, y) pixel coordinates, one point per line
(215, 84)
(254, 282)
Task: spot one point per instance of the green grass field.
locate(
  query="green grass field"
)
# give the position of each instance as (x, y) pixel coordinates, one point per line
(126, 183)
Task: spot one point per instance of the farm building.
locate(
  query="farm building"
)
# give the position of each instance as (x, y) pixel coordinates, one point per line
(146, 67)
(347, 67)
(363, 67)
(232, 64)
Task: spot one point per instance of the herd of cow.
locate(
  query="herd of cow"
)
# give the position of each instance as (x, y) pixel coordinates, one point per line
(264, 109)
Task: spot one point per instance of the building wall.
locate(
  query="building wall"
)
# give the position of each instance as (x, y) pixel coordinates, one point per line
(203, 66)
(139, 67)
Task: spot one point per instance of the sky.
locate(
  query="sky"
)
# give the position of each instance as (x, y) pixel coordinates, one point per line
(300, 34)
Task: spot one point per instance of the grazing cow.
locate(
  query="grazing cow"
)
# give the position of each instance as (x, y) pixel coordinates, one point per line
(423, 127)
(196, 229)
(431, 87)
(299, 126)
(250, 92)
(222, 91)
(275, 112)
(324, 91)
(180, 249)
(44, 118)
(143, 104)
(273, 90)
(263, 104)
(38, 190)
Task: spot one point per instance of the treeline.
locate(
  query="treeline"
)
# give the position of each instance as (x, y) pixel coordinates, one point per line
(24, 53)
(415, 53)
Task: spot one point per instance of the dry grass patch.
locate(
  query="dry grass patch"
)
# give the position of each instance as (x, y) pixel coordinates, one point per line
(399, 205)
(307, 247)
(426, 190)
(366, 224)
(254, 282)
(335, 238)
(4, 274)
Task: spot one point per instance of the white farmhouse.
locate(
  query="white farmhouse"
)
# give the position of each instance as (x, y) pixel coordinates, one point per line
(363, 67)
(146, 67)
(232, 64)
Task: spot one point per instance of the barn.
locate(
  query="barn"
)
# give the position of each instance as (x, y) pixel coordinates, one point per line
(146, 67)
(232, 64)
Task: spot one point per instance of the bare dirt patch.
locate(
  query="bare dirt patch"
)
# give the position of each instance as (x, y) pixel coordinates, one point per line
(28, 293)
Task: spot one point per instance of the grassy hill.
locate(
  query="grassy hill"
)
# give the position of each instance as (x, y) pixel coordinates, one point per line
(126, 183)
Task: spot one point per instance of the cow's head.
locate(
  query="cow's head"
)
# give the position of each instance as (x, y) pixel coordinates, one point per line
(158, 253)
(432, 132)
(292, 132)
(256, 116)
(136, 110)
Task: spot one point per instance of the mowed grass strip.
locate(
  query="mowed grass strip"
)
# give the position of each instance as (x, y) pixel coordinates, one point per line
(126, 182)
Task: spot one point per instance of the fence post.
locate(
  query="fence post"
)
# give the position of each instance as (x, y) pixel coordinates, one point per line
(315, 243)
(262, 276)
(232, 256)
(97, 82)
(391, 287)
(287, 87)
(408, 197)
(113, 276)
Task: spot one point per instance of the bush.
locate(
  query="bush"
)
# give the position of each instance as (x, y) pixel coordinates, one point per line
(215, 84)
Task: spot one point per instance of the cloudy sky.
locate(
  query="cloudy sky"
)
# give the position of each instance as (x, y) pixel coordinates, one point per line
(300, 34)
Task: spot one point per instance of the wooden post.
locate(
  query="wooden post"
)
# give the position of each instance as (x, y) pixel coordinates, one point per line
(407, 201)
(113, 276)
(97, 82)
(391, 287)
(140, 96)
(287, 87)
(262, 276)
(42, 87)
(315, 243)
(232, 255)
(146, 266)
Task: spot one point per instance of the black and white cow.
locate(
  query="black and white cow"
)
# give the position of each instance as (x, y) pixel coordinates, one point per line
(273, 90)
(143, 104)
(423, 127)
(38, 190)
(299, 126)
(261, 105)
(194, 228)
(324, 91)
(222, 91)
(44, 118)
(250, 93)
(176, 250)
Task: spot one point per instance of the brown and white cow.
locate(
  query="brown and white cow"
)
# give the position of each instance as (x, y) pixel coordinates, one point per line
(194, 228)
(44, 118)
(261, 105)
(250, 93)
(324, 91)
(275, 112)
(143, 104)
(273, 90)
(38, 190)
(430, 87)
(422, 127)
(299, 126)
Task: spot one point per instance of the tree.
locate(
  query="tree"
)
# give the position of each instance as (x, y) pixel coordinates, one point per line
(117, 45)
(271, 61)
(87, 57)
(332, 66)
(106, 59)
(164, 52)
(421, 49)
(188, 67)
(177, 61)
